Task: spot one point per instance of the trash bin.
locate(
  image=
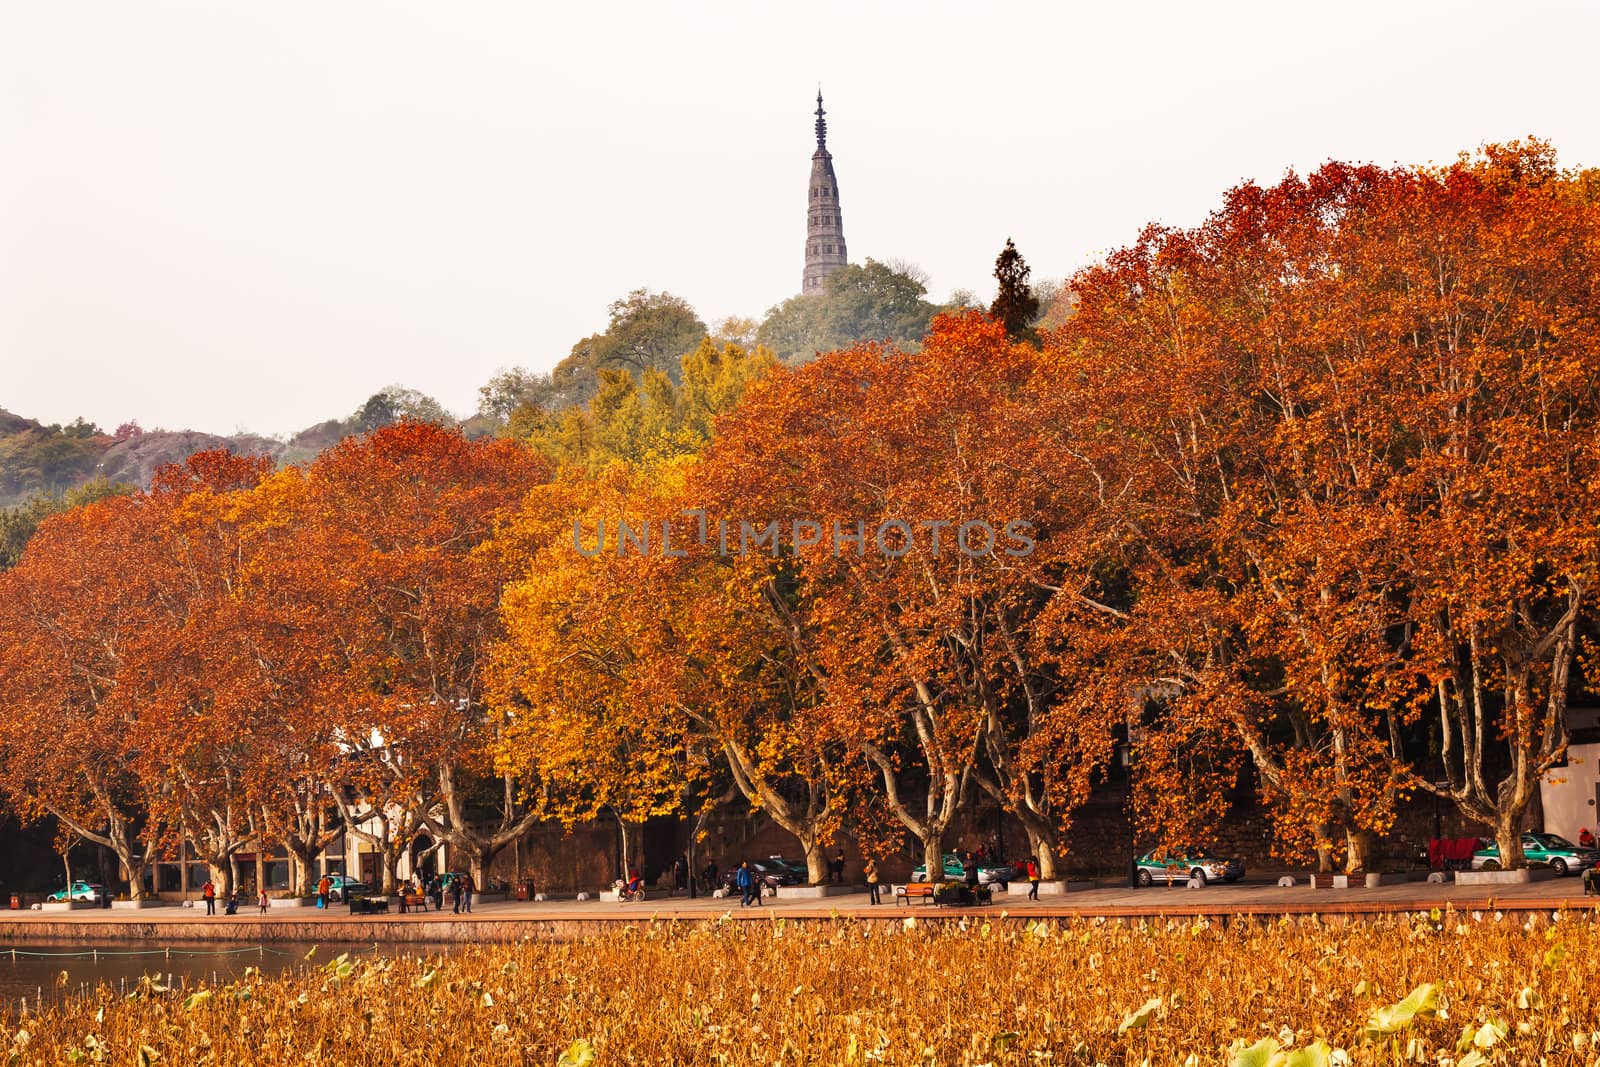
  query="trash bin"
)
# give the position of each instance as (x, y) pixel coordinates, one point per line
(16, 901)
(524, 890)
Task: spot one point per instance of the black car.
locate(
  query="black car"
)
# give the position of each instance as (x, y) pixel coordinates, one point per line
(773, 872)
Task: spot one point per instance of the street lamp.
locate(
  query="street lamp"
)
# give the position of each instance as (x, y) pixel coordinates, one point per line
(1125, 761)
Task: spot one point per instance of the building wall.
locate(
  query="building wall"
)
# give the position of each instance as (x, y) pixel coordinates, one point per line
(1571, 794)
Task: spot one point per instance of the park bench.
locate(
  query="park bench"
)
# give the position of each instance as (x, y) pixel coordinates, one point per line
(904, 894)
(369, 905)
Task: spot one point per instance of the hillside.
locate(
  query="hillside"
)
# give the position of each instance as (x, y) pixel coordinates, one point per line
(40, 459)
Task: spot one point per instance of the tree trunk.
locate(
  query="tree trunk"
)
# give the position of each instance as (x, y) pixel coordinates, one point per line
(1508, 839)
(133, 871)
(117, 838)
(390, 871)
(805, 820)
(299, 874)
(1324, 851)
(221, 875)
(1043, 849)
(933, 857)
(1358, 844)
(816, 862)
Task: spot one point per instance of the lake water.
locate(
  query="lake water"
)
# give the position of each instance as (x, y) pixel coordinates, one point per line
(35, 971)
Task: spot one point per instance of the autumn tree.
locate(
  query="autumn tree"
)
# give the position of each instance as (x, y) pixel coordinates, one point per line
(670, 643)
(588, 733)
(920, 634)
(388, 567)
(1266, 384)
(1489, 286)
(206, 703)
(67, 613)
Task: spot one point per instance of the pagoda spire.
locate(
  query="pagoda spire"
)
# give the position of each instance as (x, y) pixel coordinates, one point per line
(825, 251)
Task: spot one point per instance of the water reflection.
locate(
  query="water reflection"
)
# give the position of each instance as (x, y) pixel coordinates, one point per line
(36, 971)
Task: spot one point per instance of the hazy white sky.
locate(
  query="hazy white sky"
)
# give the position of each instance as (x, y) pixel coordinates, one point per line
(222, 215)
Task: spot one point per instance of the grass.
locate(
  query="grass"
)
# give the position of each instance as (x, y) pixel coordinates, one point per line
(1441, 988)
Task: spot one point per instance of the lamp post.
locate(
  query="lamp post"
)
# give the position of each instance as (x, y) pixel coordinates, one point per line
(1125, 761)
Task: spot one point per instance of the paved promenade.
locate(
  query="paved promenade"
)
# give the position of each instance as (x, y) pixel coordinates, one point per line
(503, 921)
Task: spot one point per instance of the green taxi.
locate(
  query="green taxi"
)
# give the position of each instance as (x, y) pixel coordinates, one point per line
(1541, 850)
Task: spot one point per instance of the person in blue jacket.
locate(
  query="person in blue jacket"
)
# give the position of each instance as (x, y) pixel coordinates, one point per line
(746, 881)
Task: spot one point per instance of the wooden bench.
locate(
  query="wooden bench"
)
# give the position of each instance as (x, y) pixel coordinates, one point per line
(369, 905)
(903, 894)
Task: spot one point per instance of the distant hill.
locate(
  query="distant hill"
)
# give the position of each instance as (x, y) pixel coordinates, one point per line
(39, 459)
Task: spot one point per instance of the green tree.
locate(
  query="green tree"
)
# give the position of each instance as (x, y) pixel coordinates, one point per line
(648, 418)
(866, 302)
(18, 523)
(395, 402)
(509, 389)
(647, 331)
(1015, 306)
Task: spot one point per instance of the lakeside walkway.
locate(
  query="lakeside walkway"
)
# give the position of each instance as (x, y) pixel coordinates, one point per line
(514, 920)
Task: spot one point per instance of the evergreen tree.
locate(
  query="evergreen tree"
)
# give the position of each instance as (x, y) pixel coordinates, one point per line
(1015, 307)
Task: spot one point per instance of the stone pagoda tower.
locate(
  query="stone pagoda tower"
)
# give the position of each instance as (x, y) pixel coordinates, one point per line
(824, 228)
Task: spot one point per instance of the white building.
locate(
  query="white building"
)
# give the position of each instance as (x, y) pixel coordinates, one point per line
(1571, 793)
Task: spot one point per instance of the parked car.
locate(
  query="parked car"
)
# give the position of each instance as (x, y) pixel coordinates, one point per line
(80, 890)
(1541, 850)
(774, 871)
(1177, 864)
(955, 870)
(794, 867)
(342, 885)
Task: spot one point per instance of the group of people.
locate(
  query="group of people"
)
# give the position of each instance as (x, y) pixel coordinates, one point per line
(208, 893)
(458, 886)
(749, 885)
(1023, 869)
(416, 892)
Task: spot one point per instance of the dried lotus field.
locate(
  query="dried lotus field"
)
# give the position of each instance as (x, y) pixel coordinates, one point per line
(1447, 988)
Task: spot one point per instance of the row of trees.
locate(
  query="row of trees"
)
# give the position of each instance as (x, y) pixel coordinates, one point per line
(1312, 490)
(1307, 492)
(239, 657)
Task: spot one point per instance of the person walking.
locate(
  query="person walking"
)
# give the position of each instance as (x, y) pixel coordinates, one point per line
(261, 901)
(745, 881)
(869, 870)
(836, 868)
(455, 895)
(209, 892)
(1033, 878)
(436, 890)
(323, 887)
(468, 887)
(969, 871)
